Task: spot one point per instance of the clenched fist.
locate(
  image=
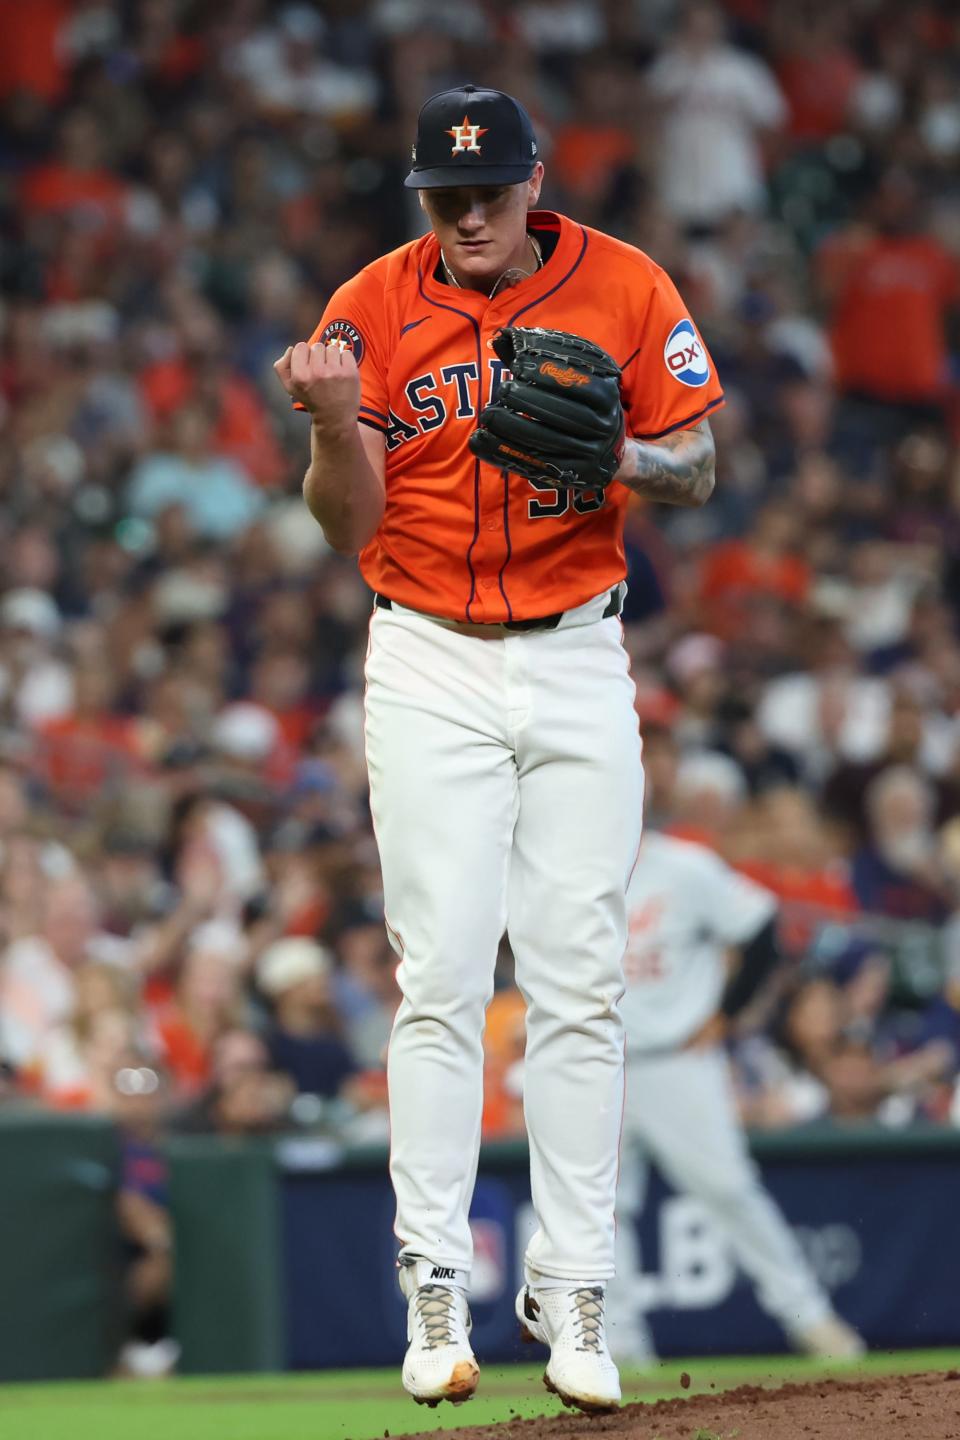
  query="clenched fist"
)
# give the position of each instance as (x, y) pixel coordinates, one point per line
(325, 379)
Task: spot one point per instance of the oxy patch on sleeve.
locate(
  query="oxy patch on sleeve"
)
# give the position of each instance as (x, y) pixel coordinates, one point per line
(685, 356)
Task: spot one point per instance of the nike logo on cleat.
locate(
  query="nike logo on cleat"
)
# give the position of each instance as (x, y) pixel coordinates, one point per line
(442, 1272)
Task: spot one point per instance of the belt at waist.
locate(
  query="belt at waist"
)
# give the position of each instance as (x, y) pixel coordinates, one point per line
(541, 622)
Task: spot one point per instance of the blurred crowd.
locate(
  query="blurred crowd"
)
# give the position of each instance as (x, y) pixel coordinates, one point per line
(190, 902)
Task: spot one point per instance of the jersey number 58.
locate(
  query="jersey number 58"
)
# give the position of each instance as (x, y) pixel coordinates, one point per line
(583, 501)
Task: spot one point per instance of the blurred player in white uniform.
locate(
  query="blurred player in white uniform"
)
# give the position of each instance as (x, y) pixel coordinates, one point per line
(686, 910)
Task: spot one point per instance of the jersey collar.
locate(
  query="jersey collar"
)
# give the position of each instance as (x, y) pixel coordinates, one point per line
(565, 252)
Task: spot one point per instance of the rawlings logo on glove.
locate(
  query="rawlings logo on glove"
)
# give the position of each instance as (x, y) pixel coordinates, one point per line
(560, 417)
(564, 377)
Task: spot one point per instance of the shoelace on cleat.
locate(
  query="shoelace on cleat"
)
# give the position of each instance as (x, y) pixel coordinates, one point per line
(588, 1318)
(435, 1310)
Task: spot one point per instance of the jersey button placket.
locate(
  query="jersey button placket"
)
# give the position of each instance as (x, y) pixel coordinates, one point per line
(491, 551)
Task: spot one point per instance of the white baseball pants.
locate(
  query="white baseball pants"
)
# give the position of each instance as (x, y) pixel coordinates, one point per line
(681, 1114)
(506, 789)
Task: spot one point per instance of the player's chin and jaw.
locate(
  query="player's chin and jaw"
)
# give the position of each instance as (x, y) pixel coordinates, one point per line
(501, 225)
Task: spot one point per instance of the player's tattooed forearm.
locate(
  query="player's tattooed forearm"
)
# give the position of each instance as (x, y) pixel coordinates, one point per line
(677, 470)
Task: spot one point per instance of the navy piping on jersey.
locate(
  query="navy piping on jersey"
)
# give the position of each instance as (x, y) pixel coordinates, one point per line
(554, 288)
(465, 315)
(476, 533)
(505, 476)
(631, 358)
(374, 425)
(683, 424)
(413, 324)
(377, 414)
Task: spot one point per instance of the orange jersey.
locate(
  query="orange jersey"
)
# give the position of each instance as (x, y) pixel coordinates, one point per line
(889, 323)
(459, 538)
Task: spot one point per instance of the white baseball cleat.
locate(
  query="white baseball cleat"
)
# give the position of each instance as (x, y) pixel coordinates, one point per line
(439, 1363)
(580, 1370)
(830, 1339)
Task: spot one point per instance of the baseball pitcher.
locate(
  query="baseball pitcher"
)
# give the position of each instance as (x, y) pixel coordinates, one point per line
(482, 402)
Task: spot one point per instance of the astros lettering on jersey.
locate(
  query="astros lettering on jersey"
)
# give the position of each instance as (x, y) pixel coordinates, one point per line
(459, 538)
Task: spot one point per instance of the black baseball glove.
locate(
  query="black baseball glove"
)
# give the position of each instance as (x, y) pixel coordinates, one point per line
(560, 418)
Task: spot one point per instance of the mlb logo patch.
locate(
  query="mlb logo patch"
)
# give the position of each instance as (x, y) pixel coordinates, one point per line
(684, 355)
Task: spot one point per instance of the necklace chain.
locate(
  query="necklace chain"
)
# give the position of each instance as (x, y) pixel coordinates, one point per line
(537, 255)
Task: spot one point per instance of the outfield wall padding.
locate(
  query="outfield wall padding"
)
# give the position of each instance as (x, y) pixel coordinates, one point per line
(228, 1311)
(59, 1246)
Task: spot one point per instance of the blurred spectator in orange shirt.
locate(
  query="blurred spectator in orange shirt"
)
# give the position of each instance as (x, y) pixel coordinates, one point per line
(596, 146)
(77, 180)
(767, 562)
(199, 373)
(795, 856)
(32, 59)
(890, 288)
(817, 70)
(90, 745)
(207, 1003)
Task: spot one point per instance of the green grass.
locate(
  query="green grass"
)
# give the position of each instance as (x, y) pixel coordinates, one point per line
(361, 1404)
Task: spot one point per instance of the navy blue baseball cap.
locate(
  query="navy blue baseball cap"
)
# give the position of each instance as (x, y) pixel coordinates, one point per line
(472, 137)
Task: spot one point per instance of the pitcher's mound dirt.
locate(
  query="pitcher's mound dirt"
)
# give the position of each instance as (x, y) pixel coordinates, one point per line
(894, 1407)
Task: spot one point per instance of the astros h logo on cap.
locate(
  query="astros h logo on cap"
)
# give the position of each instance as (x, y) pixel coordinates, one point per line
(467, 136)
(467, 117)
